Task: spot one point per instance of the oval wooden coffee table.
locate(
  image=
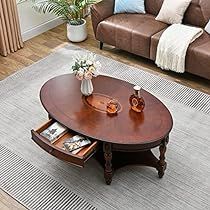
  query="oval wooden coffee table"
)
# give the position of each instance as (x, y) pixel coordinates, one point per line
(125, 138)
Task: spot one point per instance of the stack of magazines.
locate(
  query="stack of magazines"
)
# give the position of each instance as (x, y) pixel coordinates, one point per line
(73, 144)
(54, 132)
(76, 143)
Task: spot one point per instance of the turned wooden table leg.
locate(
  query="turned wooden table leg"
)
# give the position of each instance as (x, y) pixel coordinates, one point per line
(162, 163)
(107, 148)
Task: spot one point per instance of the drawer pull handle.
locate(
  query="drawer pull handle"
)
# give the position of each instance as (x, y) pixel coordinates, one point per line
(51, 150)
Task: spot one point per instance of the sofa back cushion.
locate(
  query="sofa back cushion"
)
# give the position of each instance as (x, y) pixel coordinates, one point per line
(153, 6)
(197, 14)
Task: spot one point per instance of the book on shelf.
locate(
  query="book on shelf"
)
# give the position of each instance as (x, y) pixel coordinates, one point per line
(76, 143)
(54, 132)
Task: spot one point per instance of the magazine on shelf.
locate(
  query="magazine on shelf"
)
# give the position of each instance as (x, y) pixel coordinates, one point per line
(54, 132)
(76, 142)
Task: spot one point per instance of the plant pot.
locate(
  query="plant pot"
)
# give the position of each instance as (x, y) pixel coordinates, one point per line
(77, 33)
(86, 87)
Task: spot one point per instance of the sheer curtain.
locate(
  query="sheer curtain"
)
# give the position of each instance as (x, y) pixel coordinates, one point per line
(10, 36)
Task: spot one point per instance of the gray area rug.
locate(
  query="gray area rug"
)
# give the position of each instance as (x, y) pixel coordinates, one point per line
(186, 184)
(33, 188)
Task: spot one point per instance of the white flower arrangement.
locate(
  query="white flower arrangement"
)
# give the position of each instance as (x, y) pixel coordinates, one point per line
(85, 67)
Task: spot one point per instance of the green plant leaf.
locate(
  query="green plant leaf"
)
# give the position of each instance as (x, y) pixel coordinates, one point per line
(69, 10)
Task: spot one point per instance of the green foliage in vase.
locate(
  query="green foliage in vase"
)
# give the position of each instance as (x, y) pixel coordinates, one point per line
(70, 11)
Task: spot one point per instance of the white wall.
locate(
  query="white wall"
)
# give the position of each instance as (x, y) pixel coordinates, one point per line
(33, 23)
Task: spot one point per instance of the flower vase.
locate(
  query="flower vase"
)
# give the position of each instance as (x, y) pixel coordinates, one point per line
(86, 87)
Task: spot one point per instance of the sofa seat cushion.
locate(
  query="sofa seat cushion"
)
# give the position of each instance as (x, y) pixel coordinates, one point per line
(198, 57)
(198, 54)
(130, 32)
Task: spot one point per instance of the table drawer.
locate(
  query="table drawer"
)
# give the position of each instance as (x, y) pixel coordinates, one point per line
(56, 148)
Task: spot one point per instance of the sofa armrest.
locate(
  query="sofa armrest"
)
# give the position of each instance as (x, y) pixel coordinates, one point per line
(101, 11)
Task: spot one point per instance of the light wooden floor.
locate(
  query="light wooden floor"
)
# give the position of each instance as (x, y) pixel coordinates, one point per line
(41, 46)
(8, 203)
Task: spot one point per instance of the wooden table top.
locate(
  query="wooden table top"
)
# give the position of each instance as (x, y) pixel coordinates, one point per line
(62, 99)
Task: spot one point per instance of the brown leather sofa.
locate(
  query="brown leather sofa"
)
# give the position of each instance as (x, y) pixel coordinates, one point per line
(140, 33)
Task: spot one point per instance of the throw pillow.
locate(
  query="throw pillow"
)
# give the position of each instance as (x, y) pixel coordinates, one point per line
(172, 11)
(129, 6)
(207, 28)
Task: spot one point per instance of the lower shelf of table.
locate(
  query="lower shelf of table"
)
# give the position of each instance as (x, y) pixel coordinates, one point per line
(121, 159)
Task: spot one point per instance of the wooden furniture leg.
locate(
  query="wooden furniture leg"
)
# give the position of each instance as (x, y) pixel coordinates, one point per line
(162, 163)
(101, 45)
(107, 149)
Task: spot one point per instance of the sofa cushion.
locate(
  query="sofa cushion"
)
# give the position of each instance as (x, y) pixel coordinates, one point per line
(198, 54)
(127, 6)
(207, 27)
(197, 14)
(153, 6)
(172, 12)
(198, 57)
(130, 32)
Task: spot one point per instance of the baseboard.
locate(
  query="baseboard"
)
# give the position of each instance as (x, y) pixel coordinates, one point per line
(41, 28)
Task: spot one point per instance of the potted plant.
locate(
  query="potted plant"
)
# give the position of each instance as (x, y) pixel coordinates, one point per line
(71, 11)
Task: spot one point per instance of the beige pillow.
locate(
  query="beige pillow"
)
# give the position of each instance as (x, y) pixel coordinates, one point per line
(207, 28)
(172, 11)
